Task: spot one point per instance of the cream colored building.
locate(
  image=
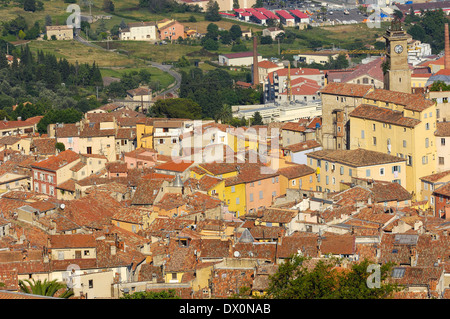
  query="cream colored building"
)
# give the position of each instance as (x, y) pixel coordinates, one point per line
(334, 167)
(442, 135)
(14, 181)
(61, 32)
(139, 31)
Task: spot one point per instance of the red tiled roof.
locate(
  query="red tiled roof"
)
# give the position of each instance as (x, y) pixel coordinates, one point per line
(414, 102)
(295, 171)
(72, 241)
(173, 166)
(346, 89)
(384, 115)
(56, 162)
(267, 65)
(443, 190)
(442, 129)
(435, 177)
(358, 157)
(302, 146)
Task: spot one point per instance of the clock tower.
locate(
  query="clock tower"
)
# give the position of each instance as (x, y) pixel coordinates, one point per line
(397, 75)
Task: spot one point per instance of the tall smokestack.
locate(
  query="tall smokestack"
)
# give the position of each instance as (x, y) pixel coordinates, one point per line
(447, 48)
(255, 63)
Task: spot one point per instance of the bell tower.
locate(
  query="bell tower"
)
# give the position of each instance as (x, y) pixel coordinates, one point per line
(397, 75)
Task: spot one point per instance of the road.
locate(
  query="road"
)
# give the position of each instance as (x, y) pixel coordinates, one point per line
(169, 69)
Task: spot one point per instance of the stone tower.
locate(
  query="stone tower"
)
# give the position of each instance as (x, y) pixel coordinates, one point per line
(397, 74)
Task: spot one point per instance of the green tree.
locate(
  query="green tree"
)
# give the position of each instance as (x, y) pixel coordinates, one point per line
(235, 32)
(439, 85)
(212, 11)
(45, 288)
(108, 6)
(60, 147)
(236, 4)
(177, 108)
(29, 5)
(293, 280)
(211, 45)
(165, 294)
(256, 119)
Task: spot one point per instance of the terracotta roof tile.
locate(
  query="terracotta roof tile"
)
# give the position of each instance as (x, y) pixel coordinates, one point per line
(56, 162)
(346, 89)
(385, 115)
(442, 129)
(414, 102)
(358, 157)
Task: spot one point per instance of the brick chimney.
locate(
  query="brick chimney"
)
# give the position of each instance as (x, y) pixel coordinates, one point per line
(447, 48)
(255, 63)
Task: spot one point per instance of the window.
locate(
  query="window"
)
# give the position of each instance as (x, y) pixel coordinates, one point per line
(133, 228)
(237, 201)
(251, 197)
(350, 172)
(232, 189)
(86, 253)
(443, 141)
(327, 179)
(441, 160)
(326, 166)
(373, 127)
(404, 143)
(274, 194)
(342, 170)
(367, 172)
(424, 159)
(293, 182)
(427, 126)
(382, 171)
(333, 181)
(362, 134)
(260, 194)
(374, 140)
(409, 160)
(427, 142)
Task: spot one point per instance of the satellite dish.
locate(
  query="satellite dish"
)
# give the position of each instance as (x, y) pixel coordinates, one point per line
(237, 254)
(62, 206)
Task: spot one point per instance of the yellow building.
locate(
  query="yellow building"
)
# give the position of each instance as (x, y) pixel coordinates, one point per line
(335, 168)
(399, 124)
(144, 133)
(297, 176)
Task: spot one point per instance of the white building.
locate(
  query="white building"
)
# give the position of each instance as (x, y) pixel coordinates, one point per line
(238, 59)
(279, 112)
(139, 31)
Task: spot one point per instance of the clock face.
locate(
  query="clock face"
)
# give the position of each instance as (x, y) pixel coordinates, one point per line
(398, 49)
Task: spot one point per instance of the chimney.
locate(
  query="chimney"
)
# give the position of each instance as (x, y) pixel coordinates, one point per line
(447, 48)
(255, 63)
